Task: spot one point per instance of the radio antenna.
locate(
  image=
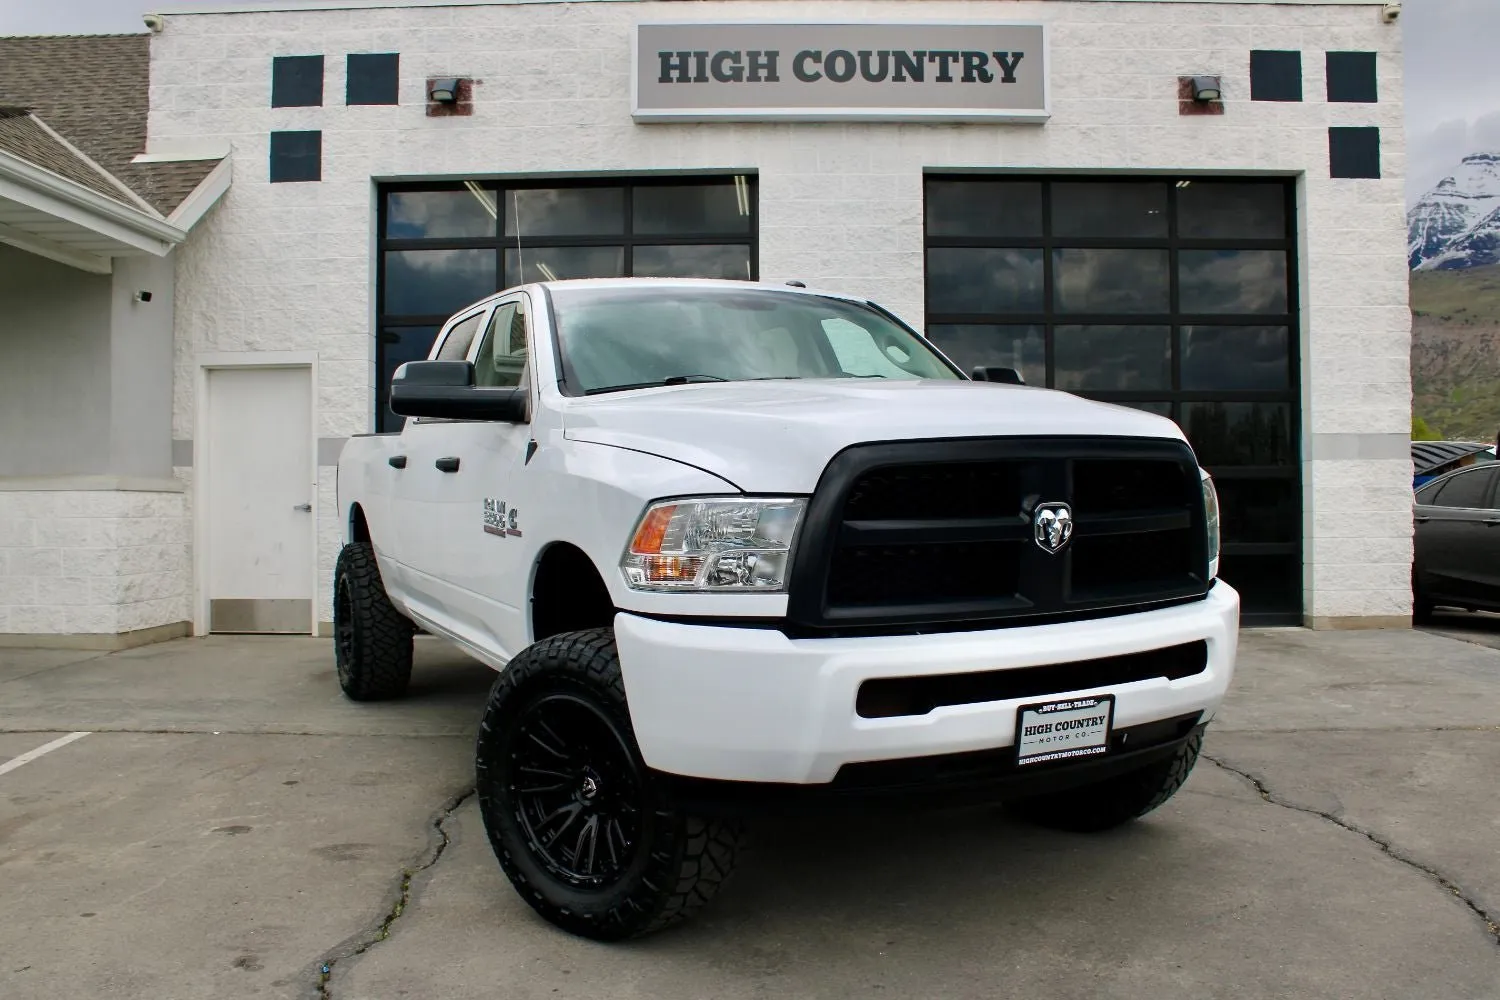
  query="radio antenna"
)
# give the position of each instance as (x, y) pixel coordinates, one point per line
(515, 200)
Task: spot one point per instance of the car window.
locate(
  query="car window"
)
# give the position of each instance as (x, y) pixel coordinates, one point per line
(456, 344)
(1466, 489)
(502, 353)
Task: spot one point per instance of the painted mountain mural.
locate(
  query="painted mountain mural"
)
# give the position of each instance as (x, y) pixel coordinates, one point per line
(1456, 225)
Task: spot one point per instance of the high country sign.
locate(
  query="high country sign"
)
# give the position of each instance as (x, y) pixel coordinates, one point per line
(840, 72)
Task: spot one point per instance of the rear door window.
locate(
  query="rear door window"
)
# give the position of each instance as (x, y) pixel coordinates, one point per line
(1467, 489)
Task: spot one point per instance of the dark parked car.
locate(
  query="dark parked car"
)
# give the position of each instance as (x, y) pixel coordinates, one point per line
(1457, 560)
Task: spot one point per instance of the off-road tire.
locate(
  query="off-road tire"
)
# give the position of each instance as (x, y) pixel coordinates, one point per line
(1113, 801)
(372, 640)
(676, 862)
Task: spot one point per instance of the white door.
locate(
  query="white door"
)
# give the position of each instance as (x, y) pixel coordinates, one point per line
(258, 496)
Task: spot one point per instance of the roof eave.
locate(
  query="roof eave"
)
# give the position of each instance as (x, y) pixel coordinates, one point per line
(45, 191)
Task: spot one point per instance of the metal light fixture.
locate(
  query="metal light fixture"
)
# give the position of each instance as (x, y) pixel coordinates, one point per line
(1206, 88)
(443, 91)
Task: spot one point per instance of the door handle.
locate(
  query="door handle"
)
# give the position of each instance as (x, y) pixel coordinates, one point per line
(396, 461)
(449, 464)
(1491, 522)
(306, 508)
(1420, 520)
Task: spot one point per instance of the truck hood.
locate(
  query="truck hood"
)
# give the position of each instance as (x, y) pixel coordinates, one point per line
(777, 436)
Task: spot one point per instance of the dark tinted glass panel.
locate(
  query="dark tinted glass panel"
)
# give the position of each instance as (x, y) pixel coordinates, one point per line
(1095, 208)
(1240, 433)
(963, 280)
(1112, 357)
(565, 211)
(1467, 489)
(1267, 584)
(1230, 282)
(1354, 151)
(1111, 281)
(372, 78)
(715, 207)
(1228, 210)
(1275, 75)
(1235, 358)
(558, 263)
(467, 212)
(296, 156)
(690, 261)
(398, 345)
(971, 345)
(1259, 510)
(296, 81)
(984, 208)
(1352, 78)
(436, 282)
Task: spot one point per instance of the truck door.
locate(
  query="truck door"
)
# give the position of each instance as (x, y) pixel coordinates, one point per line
(484, 550)
(424, 479)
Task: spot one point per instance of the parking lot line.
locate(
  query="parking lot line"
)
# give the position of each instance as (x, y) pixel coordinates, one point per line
(31, 755)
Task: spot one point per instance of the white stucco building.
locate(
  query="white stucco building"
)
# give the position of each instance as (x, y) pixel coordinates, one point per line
(1046, 194)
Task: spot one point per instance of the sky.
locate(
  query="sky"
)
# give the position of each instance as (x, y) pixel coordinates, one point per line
(1452, 70)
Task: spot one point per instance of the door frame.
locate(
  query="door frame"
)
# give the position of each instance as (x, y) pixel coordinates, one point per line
(203, 463)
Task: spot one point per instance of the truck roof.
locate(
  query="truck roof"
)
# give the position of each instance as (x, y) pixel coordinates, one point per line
(733, 283)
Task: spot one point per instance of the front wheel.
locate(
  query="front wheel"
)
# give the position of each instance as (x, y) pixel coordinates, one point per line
(1113, 801)
(582, 830)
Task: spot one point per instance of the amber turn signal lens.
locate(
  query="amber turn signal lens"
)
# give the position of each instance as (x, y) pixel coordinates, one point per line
(653, 529)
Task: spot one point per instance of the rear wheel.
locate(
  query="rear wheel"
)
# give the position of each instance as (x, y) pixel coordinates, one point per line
(372, 640)
(580, 827)
(1109, 803)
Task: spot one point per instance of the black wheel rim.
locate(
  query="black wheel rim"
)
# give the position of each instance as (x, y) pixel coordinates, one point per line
(343, 625)
(576, 790)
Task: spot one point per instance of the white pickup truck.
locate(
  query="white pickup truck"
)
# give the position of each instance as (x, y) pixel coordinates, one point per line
(735, 547)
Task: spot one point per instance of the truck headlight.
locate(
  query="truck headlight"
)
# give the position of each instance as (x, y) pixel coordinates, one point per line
(1211, 516)
(713, 544)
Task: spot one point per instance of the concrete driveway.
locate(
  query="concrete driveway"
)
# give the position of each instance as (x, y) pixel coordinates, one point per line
(231, 827)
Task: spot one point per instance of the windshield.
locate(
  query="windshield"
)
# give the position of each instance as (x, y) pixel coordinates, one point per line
(629, 338)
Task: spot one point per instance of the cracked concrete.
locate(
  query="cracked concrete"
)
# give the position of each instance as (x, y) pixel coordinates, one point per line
(328, 966)
(1385, 846)
(1343, 845)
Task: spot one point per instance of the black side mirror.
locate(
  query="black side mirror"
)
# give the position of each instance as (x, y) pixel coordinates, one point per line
(1008, 376)
(446, 389)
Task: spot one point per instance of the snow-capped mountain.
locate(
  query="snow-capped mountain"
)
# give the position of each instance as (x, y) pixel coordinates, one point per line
(1457, 223)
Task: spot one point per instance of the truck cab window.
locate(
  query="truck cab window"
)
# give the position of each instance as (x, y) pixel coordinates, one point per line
(502, 353)
(455, 346)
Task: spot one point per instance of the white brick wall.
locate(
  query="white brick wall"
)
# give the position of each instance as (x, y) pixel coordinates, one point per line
(289, 267)
(92, 561)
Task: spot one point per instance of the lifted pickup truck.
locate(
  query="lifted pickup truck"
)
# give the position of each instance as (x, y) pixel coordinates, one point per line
(734, 546)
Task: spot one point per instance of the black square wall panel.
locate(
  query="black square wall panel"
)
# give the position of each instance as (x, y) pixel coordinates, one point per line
(1354, 152)
(296, 81)
(373, 78)
(296, 156)
(1275, 75)
(1351, 78)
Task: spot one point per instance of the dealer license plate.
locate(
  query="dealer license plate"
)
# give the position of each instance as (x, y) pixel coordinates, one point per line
(1057, 730)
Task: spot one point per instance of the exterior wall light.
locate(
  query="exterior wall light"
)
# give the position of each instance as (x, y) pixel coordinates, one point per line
(446, 91)
(1206, 88)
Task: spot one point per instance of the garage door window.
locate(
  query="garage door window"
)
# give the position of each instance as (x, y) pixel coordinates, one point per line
(1171, 295)
(443, 246)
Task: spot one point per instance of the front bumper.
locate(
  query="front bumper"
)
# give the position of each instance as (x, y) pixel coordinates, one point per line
(750, 704)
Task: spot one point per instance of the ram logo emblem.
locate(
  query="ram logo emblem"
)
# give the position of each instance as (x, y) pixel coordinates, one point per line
(1052, 526)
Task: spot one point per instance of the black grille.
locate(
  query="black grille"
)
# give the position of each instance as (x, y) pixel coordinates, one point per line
(929, 535)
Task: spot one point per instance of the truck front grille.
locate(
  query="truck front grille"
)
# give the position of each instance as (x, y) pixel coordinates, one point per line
(938, 535)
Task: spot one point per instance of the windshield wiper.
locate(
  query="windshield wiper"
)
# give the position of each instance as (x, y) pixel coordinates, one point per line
(670, 380)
